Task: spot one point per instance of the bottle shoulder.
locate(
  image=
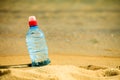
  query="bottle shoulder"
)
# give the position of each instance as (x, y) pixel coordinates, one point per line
(35, 31)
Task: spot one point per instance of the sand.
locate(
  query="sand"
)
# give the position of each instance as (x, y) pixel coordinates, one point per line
(62, 67)
(59, 72)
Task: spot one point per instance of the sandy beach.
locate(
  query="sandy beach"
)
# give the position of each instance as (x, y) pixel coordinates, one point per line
(62, 67)
(83, 38)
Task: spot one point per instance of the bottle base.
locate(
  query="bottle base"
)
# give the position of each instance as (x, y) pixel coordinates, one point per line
(38, 64)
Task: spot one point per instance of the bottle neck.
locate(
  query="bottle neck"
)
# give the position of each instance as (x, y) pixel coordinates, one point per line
(33, 27)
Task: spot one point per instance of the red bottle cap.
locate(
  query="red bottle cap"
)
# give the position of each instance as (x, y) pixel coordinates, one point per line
(32, 21)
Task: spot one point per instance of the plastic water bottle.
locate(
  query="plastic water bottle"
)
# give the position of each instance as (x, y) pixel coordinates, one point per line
(36, 44)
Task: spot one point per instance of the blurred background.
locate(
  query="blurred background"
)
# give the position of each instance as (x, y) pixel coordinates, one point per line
(85, 27)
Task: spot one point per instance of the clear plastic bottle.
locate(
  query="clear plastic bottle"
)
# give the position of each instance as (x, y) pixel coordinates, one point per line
(36, 44)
